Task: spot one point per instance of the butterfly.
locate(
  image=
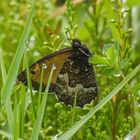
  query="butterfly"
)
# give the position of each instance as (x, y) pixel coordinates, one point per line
(73, 74)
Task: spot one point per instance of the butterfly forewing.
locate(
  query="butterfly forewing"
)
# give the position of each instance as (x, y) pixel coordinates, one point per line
(46, 62)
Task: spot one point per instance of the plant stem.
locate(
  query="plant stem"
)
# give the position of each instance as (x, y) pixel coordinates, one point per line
(114, 118)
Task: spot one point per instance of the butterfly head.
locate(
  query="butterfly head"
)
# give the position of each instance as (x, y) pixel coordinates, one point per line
(80, 48)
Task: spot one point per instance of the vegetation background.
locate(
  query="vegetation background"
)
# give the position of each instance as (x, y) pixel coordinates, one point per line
(111, 29)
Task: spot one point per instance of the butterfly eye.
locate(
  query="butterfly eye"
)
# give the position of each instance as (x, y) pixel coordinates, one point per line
(76, 43)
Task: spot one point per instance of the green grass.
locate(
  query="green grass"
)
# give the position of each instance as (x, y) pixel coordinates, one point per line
(13, 70)
(9, 81)
(41, 26)
(41, 110)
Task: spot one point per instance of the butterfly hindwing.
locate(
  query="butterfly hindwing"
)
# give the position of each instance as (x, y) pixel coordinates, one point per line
(76, 77)
(35, 69)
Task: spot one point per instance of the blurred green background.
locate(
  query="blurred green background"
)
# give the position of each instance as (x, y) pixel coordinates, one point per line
(97, 22)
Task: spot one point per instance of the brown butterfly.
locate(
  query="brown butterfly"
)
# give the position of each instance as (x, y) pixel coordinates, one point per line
(73, 74)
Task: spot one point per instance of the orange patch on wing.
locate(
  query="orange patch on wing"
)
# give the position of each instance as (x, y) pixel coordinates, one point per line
(57, 59)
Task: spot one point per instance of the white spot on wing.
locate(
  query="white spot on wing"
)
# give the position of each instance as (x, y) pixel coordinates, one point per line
(63, 78)
(44, 65)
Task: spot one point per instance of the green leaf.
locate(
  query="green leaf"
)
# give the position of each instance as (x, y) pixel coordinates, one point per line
(96, 59)
(109, 71)
(69, 133)
(30, 86)
(22, 112)
(3, 71)
(124, 63)
(111, 51)
(13, 70)
(9, 112)
(108, 50)
(8, 135)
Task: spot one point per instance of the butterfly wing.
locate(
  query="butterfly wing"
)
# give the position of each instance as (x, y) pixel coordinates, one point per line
(73, 75)
(76, 77)
(57, 58)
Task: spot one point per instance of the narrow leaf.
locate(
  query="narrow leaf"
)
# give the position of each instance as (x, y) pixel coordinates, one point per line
(12, 74)
(38, 122)
(8, 135)
(9, 112)
(96, 59)
(124, 63)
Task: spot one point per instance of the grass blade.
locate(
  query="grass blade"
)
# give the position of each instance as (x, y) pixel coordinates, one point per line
(133, 134)
(74, 109)
(8, 135)
(22, 112)
(9, 112)
(38, 122)
(30, 87)
(12, 74)
(68, 134)
(16, 118)
(3, 71)
(40, 86)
